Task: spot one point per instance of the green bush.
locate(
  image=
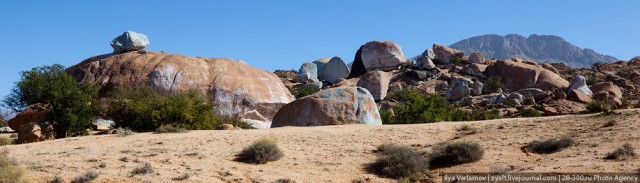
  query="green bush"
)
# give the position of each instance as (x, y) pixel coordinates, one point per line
(260, 152)
(456, 60)
(449, 154)
(72, 106)
(528, 112)
(10, 172)
(494, 83)
(144, 109)
(596, 106)
(305, 90)
(397, 162)
(550, 145)
(5, 141)
(592, 80)
(417, 107)
(170, 129)
(3, 122)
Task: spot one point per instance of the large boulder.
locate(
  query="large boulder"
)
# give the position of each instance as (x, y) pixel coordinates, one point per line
(476, 58)
(385, 56)
(444, 53)
(32, 132)
(335, 70)
(234, 86)
(310, 69)
(377, 82)
(357, 67)
(578, 96)
(320, 66)
(580, 83)
(607, 87)
(33, 113)
(425, 61)
(518, 75)
(335, 106)
(459, 91)
(475, 70)
(129, 41)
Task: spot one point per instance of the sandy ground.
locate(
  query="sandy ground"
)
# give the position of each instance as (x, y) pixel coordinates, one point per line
(330, 153)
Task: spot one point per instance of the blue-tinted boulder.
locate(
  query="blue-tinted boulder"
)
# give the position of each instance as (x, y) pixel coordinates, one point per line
(129, 41)
(335, 70)
(310, 69)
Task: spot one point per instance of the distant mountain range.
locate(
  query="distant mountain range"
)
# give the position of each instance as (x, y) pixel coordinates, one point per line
(7, 113)
(539, 48)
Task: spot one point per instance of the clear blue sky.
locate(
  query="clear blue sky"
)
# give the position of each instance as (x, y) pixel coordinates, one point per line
(278, 34)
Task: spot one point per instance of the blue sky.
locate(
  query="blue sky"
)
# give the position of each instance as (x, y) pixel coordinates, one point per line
(278, 34)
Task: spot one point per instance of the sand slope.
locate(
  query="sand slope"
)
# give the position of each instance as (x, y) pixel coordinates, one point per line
(329, 153)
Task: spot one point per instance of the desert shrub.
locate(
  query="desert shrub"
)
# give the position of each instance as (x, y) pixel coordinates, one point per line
(474, 115)
(56, 179)
(550, 145)
(5, 141)
(398, 161)
(596, 106)
(494, 83)
(260, 152)
(467, 129)
(181, 177)
(305, 90)
(386, 117)
(456, 60)
(455, 153)
(417, 107)
(145, 169)
(596, 65)
(591, 80)
(528, 112)
(85, 177)
(72, 105)
(10, 172)
(145, 109)
(623, 152)
(170, 129)
(123, 132)
(610, 123)
(287, 180)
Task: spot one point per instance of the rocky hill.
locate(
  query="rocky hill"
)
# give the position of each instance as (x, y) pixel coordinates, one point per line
(539, 48)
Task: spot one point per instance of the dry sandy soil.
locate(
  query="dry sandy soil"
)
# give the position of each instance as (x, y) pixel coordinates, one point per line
(330, 153)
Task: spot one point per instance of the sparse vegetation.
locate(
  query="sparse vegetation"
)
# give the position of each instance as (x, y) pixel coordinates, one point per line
(596, 65)
(181, 177)
(305, 90)
(455, 153)
(528, 112)
(397, 162)
(5, 141)
(145, 109)
(591, 81)
(550, 145)
(170, 129)
(596, 106)
(3, 122)
(467, 129)
(145, 169)
(610, 123)
(494, 83)
(260, 152)
(86, 177)
(10, 172)
(72, 105)
(287, 180)
(474, 115)
(56, 179)
(123, 132)
(626, 151)
(456, 60)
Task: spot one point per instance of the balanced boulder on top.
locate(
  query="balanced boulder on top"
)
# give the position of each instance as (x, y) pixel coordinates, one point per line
(385, 56)
(129, 41)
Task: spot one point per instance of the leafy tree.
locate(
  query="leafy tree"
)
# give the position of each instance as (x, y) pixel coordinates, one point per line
(72, 106)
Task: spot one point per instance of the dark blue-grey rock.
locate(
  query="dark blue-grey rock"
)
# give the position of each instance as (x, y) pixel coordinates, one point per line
(335, 70)
(459, 91)
(129, 41)
(310, 69)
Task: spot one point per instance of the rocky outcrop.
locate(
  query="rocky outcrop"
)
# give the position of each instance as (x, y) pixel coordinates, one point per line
(310, 69)
(607, 87)
(518, 75)
(129, 41)
(443, 54)
(475, 70)
(580, 83)
(334, 70)
(578, 96)
(33, 113)
(377, 82)
(541, 48)
(234, 85)
(459, 91)
(32, 132)
(550, 68)
(335, 106)
(425, 61)
(476, 58)
(385, 56)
